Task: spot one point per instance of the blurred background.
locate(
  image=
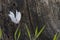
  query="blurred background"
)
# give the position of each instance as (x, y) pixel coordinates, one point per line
(33, 13)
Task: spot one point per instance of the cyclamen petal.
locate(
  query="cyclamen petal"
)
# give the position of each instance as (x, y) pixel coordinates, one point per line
(18, 15)
(11, 13)
(13, 18)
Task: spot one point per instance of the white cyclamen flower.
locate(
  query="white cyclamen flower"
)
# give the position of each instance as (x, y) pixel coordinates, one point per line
(14, 18)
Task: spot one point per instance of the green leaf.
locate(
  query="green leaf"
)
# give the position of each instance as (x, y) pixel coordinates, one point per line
(19, 33)
(40, 32)
(55, 37)
(15, 34)
(36, 31)
(28, 31)
(1, 33)
(58, 36)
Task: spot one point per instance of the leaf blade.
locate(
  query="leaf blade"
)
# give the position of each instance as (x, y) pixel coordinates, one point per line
(55, 37)
(19, 33)
(1, 33)
(40, 31)
(16, 33)
(36, 31)
(28, 31)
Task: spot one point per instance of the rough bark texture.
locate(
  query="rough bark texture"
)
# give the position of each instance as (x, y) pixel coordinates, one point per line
(34, 13)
